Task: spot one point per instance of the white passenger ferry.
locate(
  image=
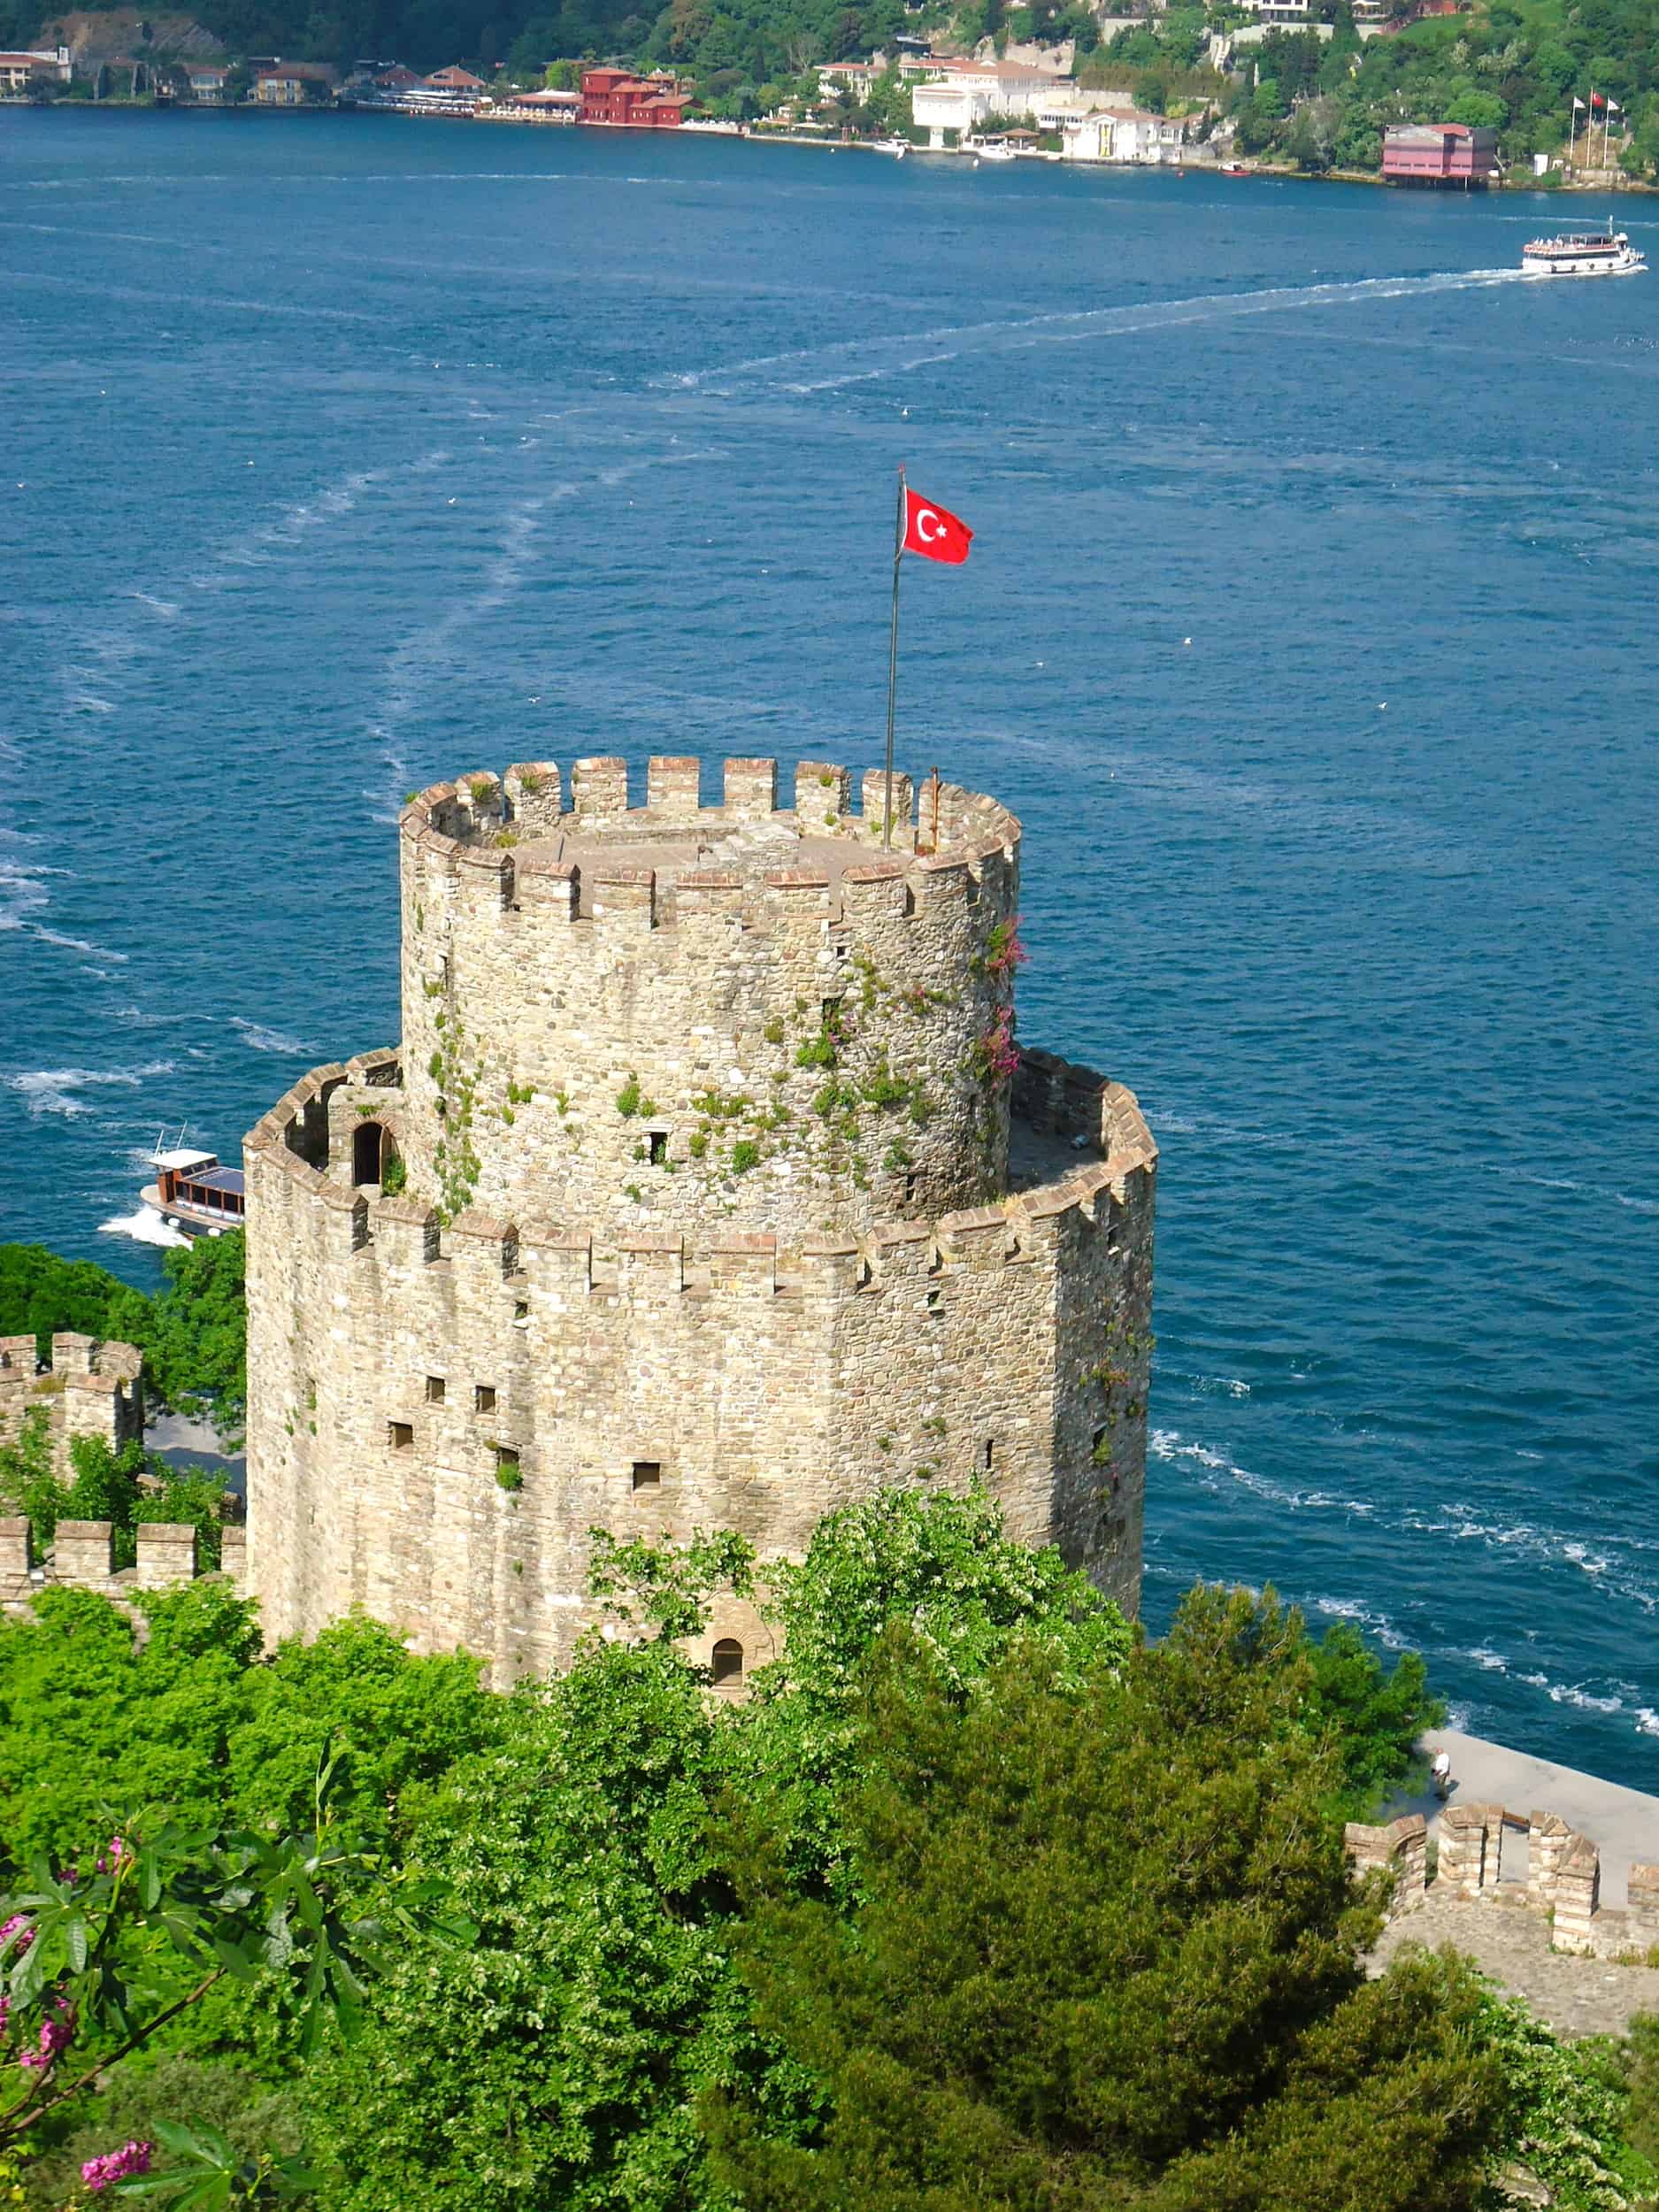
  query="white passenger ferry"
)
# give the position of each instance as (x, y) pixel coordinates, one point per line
(1582, 253)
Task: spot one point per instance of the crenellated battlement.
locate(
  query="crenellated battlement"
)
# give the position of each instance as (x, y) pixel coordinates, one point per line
(81, 1556)
(1093, 1116)
(484, 811)
(86, 1389)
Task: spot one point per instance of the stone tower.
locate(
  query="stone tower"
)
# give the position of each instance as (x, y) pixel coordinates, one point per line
(706, 1189)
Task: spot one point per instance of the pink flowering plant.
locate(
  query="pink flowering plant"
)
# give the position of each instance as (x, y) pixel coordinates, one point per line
(96, 1959)
(996, 1054)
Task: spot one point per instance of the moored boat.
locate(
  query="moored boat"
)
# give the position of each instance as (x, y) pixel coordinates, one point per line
(192, 1193)
(1582, 253)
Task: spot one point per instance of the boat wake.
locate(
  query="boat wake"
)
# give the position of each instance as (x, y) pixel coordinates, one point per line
(782, 372)
(143, 1227)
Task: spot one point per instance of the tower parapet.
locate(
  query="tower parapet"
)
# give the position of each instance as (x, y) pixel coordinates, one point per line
(745, 1009)
(703, 1190)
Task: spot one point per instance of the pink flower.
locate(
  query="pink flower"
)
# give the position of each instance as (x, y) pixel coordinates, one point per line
(57, 2031)
(119, 1853)
(995, 1052)
(132, 2158)
(18, 1920)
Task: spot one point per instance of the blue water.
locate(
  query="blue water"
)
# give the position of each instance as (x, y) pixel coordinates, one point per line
(1307, 627)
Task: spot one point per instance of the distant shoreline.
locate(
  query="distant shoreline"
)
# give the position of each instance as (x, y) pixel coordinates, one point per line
(1272, 171)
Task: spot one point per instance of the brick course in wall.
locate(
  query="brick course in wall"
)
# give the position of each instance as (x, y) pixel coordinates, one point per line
(718, 1212)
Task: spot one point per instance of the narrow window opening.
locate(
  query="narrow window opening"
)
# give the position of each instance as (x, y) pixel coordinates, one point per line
(990, 1452)
(483, 1397)
(866, 1274)
(935, 1301)
(401, 1436)
(435, 1390)
(831, 1010)
(521, 1313)
(648, 1474)
(658, 1146)
(506, 1460)
(910, 1189)
(726, 1661)
(840, 952)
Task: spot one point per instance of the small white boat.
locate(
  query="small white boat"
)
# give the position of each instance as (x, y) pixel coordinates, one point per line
(993, 149)
(1582, 253)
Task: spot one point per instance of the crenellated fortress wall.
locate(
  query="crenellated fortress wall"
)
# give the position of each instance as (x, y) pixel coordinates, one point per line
(452, 1386)
(87, 1388)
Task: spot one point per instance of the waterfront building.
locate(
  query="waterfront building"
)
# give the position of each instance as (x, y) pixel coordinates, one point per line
(290, 84)
(1288, 14)
(207, 80)
(617, 97)
(966, 94)
(1439, 154)
(1123, 134)
(453, 78)
(18, 71)
(706, 1188)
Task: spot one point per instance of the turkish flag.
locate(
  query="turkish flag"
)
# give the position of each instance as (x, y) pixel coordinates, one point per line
(934, 532)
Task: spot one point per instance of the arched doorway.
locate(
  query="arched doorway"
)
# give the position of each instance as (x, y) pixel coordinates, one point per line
(727, 1663)
(373, 1152)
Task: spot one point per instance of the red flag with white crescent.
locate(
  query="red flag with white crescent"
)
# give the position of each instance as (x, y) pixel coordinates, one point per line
(933, 531)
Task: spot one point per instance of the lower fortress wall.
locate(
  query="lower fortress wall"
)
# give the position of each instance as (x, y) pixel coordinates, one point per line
(439, 1415)
(87, 1388)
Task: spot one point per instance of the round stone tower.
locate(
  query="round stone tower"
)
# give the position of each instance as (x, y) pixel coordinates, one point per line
(707, 1188)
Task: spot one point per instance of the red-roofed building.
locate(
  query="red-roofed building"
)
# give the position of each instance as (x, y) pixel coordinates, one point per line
(453, 78)
(617, 97)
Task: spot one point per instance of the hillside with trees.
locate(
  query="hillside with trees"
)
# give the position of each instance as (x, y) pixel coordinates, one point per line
(979, 1900)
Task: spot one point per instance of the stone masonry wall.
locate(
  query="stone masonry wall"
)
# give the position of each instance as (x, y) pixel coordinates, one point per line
(88, 1389)
(766, 1384)
(449, 1387)
(690, 1014)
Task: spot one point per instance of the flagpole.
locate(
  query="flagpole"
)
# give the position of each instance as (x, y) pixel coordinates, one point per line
(893, 658)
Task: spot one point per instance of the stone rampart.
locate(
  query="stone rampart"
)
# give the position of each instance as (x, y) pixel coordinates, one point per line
(1401, 1848)
(1563, 1876)
(81, 1557)
(744, 1011)
(87, 1388)
(453, 1405)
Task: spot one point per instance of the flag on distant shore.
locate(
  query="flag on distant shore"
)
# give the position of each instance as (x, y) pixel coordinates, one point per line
(933, 531)
(1577, 102)
(1613, 107)
(1598, 99)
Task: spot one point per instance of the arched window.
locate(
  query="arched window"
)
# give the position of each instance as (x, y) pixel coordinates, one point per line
(727, 1663)
(372, 1151)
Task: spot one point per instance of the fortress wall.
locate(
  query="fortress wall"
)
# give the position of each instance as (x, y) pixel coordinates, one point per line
(768, 1382)
(539, 992)
(87, 1388)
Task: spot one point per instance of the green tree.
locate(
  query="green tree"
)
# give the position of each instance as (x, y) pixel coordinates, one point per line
(195, 1343)
(1108, 1955)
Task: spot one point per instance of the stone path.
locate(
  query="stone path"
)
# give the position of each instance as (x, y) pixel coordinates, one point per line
(1577, 1996)
(1623, 1823)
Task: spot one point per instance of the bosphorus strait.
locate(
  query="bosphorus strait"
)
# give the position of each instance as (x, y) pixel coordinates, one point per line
(1308, 631)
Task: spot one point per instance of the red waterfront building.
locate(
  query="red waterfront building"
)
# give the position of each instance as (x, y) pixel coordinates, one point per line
(617, 97)
(1439, 154)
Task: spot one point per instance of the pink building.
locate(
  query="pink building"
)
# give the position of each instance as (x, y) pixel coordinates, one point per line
(1439, 154)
